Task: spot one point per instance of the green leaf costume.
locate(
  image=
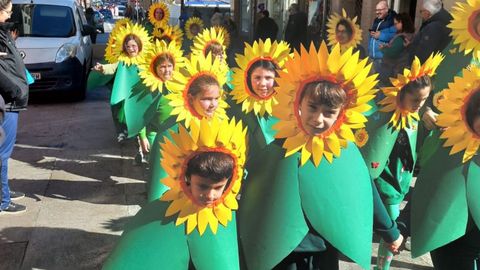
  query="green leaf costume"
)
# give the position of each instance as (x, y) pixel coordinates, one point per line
(446, 196)
(152, 241)
(280, 197)
(384, 153)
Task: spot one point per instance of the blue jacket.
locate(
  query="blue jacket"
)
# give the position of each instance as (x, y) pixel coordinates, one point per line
(387, 32)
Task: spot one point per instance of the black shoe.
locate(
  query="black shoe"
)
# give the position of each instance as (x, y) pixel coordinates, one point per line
(14, 208)
(137, 160)
(16, 195)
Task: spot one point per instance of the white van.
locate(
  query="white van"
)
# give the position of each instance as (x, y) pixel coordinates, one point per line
(53, 39)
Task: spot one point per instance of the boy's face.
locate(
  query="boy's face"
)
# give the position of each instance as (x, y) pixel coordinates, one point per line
(317, 118)
(413, 102)
(205, 191)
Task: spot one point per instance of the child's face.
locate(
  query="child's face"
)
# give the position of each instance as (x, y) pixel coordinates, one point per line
(164, 70)
(262, 81)
(132, 48)
(341, 34)
(206, 101)
(158, 14)
(195, 29)
(413, 102)
(317, 118)
(205, 191)
(218, 56)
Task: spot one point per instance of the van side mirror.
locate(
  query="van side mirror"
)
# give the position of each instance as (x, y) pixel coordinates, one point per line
(88, 30)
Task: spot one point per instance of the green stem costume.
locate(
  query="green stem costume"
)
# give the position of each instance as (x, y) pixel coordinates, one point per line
(446, 201)
(281, 199)
(152, 241)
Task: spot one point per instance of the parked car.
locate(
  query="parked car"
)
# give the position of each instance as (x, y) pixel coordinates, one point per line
(99, 20)
(107, 14)
(54, 41)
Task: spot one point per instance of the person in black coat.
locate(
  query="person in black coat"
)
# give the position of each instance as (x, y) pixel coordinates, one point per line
(296, 30)
(434, 35)
(14, 90)
(267, 27)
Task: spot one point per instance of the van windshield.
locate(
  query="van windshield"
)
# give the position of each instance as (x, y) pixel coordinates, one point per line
(43, 20)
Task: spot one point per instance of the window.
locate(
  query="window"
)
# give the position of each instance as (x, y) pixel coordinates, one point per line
(43, 20)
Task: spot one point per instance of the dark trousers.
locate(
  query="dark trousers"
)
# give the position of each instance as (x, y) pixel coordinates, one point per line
(461, 254)
(323, 260)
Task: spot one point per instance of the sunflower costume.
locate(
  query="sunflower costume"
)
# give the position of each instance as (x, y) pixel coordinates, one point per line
(390, 153)
(445, 205)
(158, 16)
(175, 232)
(355, 38)
(244, 103)
(180, 111)
(193, 27)
(206, 38)
(300, 196)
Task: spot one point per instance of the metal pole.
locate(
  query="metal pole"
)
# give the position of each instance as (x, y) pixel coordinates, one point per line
(324, 18)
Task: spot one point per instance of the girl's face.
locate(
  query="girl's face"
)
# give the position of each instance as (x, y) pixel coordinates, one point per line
(262, 81)
(206, 101)
(398, 25)
(158, 14)
(413, 102)
(316, 118)
(132, 48)
(164, 70)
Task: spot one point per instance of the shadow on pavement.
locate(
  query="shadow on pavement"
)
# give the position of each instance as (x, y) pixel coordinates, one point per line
(56, 248)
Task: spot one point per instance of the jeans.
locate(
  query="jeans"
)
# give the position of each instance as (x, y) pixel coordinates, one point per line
(10, 127)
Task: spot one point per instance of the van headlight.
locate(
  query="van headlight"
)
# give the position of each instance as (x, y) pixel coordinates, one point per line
(67, 50)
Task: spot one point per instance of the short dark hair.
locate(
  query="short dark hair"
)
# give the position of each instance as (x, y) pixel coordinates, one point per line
(266, 13)
(413, 86)
(212, 165)
(265, 64)
(407, 23)
(473, 108)
(324, 93)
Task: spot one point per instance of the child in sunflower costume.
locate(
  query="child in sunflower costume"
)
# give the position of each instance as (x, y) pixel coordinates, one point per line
(445, 205)
(298, 206)
(158, 15)
(147, 108)
(341, 29)
(194, 94)
(211, 40)
(390, 153)
(253, 97)
(193, 225)
(193, 27)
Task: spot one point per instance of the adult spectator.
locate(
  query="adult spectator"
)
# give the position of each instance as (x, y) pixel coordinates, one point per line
(395, 54)
(217, 18)
(230, 25)
(14, 90)
(381, 32)
(434, 35)
(296, 30)
(267, 27)
(91, 20)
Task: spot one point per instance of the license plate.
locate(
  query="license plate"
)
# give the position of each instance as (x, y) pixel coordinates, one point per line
(36, 75)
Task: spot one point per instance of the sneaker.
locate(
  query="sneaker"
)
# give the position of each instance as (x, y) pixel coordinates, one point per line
(121, 137)
(16, 195)
(14, 208)
(137, 160)
(145, 159)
